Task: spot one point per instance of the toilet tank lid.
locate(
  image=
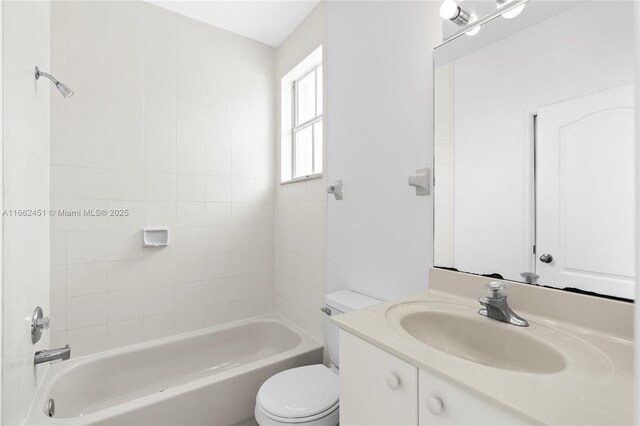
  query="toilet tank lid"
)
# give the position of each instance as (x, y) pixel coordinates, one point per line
(347, 300)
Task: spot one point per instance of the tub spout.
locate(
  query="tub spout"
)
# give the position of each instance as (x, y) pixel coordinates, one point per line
(49, 355)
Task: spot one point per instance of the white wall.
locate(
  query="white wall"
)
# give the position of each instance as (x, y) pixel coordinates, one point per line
(25, 32)
(301, 207)
(379, 126)
(584, 50)
(173, 120)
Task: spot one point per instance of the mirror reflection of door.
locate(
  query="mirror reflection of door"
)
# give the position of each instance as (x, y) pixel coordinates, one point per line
(560, 76)
(585, 192)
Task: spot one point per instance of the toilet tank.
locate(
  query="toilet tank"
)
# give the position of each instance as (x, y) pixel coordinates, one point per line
(337, 303)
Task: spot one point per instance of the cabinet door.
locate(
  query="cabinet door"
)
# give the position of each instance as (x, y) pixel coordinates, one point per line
(441, 403)
(376, 388)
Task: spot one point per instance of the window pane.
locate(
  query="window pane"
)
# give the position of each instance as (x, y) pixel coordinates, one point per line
(317, 147)
(303, 140)
(306, 98)
(319, 91)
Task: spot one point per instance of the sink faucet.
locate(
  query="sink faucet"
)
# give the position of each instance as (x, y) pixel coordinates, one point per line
(49, 355)
(495, 305)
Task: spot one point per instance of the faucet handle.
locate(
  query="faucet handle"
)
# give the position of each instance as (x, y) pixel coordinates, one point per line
(496, 289)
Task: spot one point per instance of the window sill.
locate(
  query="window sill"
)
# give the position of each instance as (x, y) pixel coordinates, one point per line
(302, 179)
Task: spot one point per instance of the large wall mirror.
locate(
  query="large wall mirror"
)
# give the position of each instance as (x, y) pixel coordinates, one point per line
(534, 148)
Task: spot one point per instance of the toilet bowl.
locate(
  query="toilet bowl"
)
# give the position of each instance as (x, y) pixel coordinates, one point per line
(305, 395)
(309, 395)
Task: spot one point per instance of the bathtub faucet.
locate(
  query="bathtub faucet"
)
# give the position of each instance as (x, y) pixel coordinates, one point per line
(49, 355)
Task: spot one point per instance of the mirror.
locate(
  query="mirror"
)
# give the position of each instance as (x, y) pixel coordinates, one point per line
(534, 160)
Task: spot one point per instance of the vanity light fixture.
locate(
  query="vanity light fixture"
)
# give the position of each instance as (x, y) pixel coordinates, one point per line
(450, 10)
(510, 14)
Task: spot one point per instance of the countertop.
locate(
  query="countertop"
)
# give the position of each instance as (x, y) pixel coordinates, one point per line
(595, 387)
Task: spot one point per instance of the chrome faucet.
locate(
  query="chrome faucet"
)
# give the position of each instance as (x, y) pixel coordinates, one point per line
(495, 305)
(49, 355)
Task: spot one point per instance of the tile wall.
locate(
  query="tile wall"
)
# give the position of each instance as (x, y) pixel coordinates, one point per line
(25, 239)
(173, 122)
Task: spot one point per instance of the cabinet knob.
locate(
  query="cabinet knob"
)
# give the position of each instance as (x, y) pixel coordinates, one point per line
(393, 381)
(435, 405)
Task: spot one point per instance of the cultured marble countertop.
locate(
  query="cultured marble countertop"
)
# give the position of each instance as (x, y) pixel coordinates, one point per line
(595, 387)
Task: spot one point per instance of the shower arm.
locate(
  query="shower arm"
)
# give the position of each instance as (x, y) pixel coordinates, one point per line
(46, 74)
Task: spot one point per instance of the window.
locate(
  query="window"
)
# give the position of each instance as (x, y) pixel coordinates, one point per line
(302, 147)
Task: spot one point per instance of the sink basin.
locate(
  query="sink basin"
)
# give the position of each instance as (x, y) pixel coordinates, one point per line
(483, 341)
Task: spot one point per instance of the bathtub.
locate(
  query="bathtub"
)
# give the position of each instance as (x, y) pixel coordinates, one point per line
(207, 377)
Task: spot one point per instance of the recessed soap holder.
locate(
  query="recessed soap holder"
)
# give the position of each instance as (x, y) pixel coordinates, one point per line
(155, 237)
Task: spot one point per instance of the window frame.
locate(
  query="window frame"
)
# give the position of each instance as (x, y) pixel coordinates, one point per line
(296, 127)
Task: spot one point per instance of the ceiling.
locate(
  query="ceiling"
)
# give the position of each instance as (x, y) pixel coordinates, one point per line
(267, 21)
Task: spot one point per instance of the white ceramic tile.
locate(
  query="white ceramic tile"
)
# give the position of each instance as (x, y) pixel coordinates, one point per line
(218, 189)
(86, 278)
(160, 186)
(160, 159)
(86, 183)
(124, 305)
(218, 215)
(189, 319)
(125, 274)
(159, 271)
(160, 214)
(125, 245)
(58, 248)
(241, 309)
(158, 326)
(85, 150)
(58, 274)
(191, 241)
(125, 215)
(192, 268)
(86, 246)
(126, 154)
(125, 333)
(191, 161)
(190, 214)
(217, 164)
(58, 177)
(191, 294)
(159, 299)
(134, 139)
(89, 340)
(90, 216)
(190, 187)
(86, 311)
(217, 314)
(126, 185)
(58, 311)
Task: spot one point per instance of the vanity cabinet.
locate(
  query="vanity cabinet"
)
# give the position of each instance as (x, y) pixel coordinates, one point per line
(377, 388)
(441, 403)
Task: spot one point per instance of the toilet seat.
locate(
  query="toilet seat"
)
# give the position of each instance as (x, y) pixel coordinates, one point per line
(300, 395)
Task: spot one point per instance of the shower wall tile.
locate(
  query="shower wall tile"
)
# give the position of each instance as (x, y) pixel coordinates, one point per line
(26, 241)
(173, 129)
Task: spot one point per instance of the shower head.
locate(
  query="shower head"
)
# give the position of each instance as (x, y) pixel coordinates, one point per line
(62, 88)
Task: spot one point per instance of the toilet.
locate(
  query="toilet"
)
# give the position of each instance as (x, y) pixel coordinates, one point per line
(309, 395)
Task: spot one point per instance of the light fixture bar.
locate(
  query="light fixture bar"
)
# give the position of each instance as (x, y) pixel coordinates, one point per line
(509, 6)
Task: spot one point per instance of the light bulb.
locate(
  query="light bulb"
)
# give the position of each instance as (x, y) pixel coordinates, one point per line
(449, 9)
(476, 30)
(513, 12)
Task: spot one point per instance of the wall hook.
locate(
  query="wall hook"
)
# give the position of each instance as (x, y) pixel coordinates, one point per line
(336, 190)
(420, 181)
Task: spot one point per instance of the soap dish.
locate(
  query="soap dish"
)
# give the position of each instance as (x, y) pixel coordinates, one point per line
(155, 237)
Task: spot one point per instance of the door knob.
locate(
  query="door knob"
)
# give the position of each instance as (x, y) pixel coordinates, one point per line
(546, 258)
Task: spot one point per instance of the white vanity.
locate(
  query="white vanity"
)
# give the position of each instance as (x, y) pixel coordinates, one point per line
(431, 359)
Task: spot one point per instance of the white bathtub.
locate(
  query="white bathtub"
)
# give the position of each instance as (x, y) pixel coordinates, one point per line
(207, 377)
